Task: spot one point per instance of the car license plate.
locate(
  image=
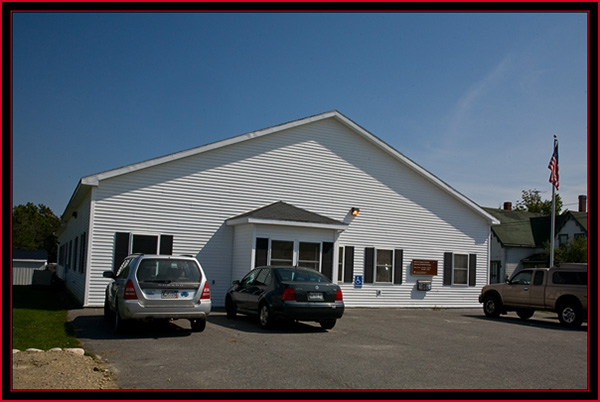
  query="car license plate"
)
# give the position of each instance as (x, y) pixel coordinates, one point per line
(314, 296)
(170, 294)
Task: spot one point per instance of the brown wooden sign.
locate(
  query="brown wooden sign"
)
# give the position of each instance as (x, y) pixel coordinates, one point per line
(424, 267)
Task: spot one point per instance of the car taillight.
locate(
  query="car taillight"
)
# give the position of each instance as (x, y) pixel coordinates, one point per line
(339, 296)
(205, 292)
(288, 294)
(130, 293)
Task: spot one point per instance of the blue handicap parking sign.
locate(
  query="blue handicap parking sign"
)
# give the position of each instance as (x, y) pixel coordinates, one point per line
(358, 281)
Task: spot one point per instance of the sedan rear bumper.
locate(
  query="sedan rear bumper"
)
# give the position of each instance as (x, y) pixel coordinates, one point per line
(309, 311)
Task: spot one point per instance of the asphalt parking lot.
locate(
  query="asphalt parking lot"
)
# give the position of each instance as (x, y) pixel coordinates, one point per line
(369, 349)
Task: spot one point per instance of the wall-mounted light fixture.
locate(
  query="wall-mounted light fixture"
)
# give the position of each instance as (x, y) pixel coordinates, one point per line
(355, 211)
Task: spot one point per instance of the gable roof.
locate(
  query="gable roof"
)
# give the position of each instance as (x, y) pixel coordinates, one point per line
(281, 213)
(528, 229)
(93, 180)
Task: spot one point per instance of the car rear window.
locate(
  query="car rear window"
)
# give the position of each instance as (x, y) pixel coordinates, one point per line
(570, 278)
(170, 270)
(301, 275)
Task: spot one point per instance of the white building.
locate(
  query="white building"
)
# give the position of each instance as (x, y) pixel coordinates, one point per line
(286, 195)
(25, 263)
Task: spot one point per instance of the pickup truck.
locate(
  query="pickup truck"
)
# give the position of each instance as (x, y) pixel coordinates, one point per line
(562, 290)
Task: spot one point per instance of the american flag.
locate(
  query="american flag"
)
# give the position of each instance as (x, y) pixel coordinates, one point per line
(553, 166)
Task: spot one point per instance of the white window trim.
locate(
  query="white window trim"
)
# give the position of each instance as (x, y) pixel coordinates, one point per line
(375, 281)
(466, 284)
(295, 250)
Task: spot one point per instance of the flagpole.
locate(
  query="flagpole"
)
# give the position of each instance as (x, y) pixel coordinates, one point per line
(553, 216)
(552, 223)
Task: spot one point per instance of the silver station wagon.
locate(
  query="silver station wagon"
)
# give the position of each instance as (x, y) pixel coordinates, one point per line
(157, 287)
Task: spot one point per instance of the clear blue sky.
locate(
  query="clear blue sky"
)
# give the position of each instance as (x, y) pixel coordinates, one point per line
(475, 98)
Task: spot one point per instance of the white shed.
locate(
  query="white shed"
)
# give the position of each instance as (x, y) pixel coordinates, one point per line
(25, 263)
(320, 191)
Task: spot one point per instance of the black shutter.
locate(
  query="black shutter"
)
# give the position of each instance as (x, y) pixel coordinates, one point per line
(398, 257)
(166, 245)
(327, 260)
(262, 249)
(472, 269)
(121, 249)
(447, 268)
(349, 264)
(369, 261)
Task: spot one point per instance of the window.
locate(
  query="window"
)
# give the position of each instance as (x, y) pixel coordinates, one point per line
(538, 279)
(144, 244)
(522, 278)
(263, 278)
(570, 278)
(309, 255)
(75, 254)
(461, 269)
(282, 252)
(563, 239)
(171, 270)
(123, 271)
(383, 266)
(128, 243)
(82, 254)
(346, 264)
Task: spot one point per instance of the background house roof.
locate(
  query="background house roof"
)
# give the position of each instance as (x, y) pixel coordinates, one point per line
(528, 229)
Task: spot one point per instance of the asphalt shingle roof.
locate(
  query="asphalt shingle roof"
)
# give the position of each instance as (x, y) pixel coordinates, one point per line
(528, 229)
(287, 212)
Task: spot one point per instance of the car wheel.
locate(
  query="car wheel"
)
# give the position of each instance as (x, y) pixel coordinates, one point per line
(230, 307)
(109, 315)
(119, 323)
(198, 325)
(327, 324)
(570, 315)
(492, 306)
(264, 316)
(525, 313)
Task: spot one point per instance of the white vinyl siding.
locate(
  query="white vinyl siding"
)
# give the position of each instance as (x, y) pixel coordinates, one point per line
(323, 167)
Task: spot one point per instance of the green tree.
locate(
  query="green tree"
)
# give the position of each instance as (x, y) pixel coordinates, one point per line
(531, 201)
(34, 227)
(575, 250)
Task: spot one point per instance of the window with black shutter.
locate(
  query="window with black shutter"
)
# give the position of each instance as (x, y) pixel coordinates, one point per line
(369, 265)
(398, 260)
(348, 264)
(460, 269)
(121, 249)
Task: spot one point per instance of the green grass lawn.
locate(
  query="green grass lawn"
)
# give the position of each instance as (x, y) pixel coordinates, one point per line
(39, 318)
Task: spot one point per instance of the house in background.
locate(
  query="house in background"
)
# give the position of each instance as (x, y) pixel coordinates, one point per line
(518, 241)
(25, 263)
(320, 192)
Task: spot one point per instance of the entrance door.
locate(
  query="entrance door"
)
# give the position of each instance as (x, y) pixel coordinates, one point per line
(495, 272)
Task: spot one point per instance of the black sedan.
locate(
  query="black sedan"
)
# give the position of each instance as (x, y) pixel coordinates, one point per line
(287, 293)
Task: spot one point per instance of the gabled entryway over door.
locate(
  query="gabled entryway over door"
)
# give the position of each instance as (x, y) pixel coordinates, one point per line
(282, 234)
